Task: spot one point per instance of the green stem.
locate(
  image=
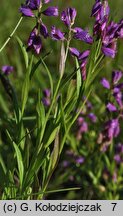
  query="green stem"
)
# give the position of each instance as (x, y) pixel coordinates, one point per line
(68, 44)
(8, 39)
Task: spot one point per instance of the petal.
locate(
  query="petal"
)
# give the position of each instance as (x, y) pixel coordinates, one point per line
(111, 107)
(56, 34)
(105, 83)
(43, 30)
(109, 52)
(51, 11)
(75, 52)
(26, 11)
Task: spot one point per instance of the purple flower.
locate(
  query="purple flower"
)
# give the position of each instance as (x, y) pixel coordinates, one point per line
(105, 10)
(47, 93)
(100, 10)
(116, 76)
(99, 27)
(56, 34)
(83, 127)
(46, 102)
(93, 117)
(75, 52)
(118, 96)
(111, 107)
(33, 4)
(6, 69)
(26, 11)
(111, 30)
(96, 8)
(112, 127)
(51, 11)
(80, 160)
(105, 83)
(119, 32)
(80, 120)
(108, 31)
(117, 158)
(34, 41)
(46, 99)
(109, 52)
(83, 35)
(82, 58)
(84, 55)
(83, 62)
(43, 30)
(68, 16)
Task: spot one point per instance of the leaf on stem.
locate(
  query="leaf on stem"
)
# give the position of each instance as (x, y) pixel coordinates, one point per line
(23, 49)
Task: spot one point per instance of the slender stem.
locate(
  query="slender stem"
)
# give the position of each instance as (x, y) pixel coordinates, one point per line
(68, 44)
(8, 39)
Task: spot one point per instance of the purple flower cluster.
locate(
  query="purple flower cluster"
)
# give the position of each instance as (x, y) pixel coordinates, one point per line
(108, 31)
(112, 126)
(68, 17)
(40, 30)
(115, 88)
(84, 119)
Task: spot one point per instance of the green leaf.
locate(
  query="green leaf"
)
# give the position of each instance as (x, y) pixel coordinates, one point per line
(49, 75)
(23, 49)
(34, 168)
(28, 144)
(20, 163)
(55, 152)
(70, 91)
(51, 137)
(79, 79)
(67, 79)
(35, 67)
(26, 85)
(3, 165)
(40, 111)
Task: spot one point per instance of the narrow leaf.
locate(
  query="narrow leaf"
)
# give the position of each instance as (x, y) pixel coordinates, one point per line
(62, 60)
(20, 163)
(23, 49)
(79, 79)
(26, 85)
